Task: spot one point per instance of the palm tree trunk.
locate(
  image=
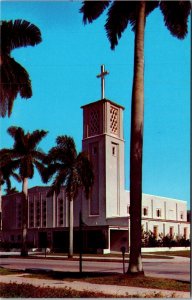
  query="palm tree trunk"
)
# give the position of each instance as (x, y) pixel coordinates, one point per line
(70, 228)
(24, 250)
(0, 207)
(135, 264)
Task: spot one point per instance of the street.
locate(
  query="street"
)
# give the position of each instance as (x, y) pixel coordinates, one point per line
(177, 268)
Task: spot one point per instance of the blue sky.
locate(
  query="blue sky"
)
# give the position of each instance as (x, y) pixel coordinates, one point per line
(63, 71)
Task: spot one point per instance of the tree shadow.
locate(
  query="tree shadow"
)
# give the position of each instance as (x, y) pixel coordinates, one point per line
(64, 275)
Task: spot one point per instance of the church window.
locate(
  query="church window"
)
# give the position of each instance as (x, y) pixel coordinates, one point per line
(185, 232)
(94, 150)
(114, 120)
(145, 211)
(158, 212)
(44, 212)
(94, 121)
(113, 151)
(171, 231)
(19, 215)
(60, 211)
(155, 230)
(181, 215)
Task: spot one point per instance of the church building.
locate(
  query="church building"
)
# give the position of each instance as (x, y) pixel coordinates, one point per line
(105, 214)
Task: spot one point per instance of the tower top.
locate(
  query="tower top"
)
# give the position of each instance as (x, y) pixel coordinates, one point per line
(102, 76)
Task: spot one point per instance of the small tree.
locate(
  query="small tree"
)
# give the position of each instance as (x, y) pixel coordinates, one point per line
(26, 156)
(7, 170)
(71, 170)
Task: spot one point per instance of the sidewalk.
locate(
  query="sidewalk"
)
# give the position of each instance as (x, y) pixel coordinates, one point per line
(117, 290)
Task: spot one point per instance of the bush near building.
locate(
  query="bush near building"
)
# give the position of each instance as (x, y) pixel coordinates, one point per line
(149, 239)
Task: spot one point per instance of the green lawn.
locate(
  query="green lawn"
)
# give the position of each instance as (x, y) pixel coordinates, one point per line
(158, 255)
(106, 278)
(116, 279)
(4, 271)
(145, 282)
(182, 253)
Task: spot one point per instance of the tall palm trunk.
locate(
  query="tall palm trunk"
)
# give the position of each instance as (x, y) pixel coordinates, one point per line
(24, 250)
(70, 228)
(0, 206)
(135, 264)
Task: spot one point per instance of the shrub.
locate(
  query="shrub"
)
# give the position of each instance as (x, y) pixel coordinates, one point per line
(150, 240)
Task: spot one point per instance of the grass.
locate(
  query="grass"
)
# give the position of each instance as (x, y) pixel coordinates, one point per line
(104, 278)
(143, 281)
(4, 271)
(157, 255)
(116, 279)
(13, 290)
(182, 253)
(102, 257)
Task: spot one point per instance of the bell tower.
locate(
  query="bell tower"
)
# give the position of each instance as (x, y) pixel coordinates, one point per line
(104, 143)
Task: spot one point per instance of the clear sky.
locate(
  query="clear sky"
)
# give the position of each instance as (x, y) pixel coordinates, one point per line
(63, 71)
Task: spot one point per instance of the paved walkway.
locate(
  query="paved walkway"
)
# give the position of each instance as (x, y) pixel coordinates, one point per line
(117, 290)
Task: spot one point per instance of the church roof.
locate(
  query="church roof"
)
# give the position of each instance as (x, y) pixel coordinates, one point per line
(104, 100)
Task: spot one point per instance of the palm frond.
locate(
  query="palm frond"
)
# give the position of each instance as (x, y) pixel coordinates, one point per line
(57, 183)
(119, 15)
(50, 170)
(85, 171)
(176, 15)
(39, 155)
(18, 33)
(26, 167)
(7, 168)
(13, 131)
(16, 176)
(91, 10)
(35, 137)
(14, 80)
(67, 148)
(18, 134)
(8, 182)
(40, 168)
(151, 5)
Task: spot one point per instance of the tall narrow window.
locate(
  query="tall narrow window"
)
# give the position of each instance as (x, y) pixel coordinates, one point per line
(171, 231)
(158, 212)
(155, 230)
(185, 232)
(113, 151)
(44, 212)
(60, 212)
(145, 211)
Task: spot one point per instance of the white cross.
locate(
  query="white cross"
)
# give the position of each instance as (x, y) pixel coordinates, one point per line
(102, 75)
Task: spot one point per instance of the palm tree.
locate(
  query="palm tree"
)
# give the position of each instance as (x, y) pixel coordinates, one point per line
(69, 169)
(14, 78)
(25, 155)
(120, 14)
(7, 170)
